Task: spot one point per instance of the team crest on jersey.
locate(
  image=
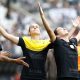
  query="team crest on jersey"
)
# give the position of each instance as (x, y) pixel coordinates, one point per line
(72, 46)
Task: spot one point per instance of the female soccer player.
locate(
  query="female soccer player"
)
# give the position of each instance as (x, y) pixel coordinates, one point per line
(65, 51)
(35, 51)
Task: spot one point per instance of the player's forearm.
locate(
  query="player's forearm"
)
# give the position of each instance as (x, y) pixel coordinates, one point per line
(5, 34)
(78, 36)
(76, 27)
(48, 29)
(6, 59)
(46, 25)
(8, 36)
(10, 60)
(73, 30)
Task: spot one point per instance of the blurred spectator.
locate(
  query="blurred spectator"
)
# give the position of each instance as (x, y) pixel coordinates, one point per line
(51, 66)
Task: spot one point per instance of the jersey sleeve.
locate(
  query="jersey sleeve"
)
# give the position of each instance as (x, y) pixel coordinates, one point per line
(55, 43)
(21, 42)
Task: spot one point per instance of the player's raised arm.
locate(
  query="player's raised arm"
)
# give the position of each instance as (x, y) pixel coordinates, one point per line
(78, 36)
(8, 36)
(75, 27)
(46, 25)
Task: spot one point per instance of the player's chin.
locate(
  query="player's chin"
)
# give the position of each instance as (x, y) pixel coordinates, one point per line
(36, 33)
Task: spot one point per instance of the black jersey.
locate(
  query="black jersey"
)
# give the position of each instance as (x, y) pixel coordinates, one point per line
(36, 61)
(66, 57)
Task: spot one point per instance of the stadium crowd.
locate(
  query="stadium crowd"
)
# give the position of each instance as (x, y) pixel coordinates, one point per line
(23, 12)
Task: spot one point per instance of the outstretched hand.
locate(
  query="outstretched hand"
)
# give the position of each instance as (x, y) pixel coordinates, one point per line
(20, 61)
(40, 9)
(76, 22)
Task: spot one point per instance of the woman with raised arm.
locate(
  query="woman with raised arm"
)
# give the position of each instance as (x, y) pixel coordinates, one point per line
(35, 51)
(65, 51)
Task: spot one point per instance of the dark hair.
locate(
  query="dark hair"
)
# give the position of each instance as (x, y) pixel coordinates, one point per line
(55, 31)
(29, 29)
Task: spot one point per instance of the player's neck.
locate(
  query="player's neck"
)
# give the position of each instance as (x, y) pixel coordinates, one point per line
(65, 38)
(36, 37)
